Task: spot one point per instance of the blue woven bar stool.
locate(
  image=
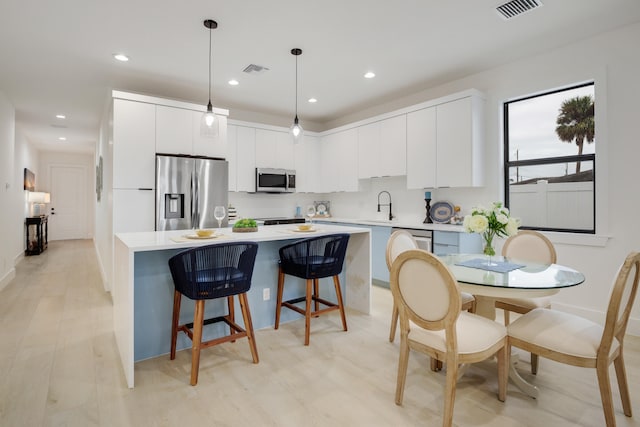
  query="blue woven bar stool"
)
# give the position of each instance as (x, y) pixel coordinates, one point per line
(210, 272)
(313, 259)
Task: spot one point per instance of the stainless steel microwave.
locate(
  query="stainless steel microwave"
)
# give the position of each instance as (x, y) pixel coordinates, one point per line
(275, 180)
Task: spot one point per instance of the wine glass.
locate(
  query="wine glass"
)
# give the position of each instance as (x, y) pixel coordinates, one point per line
(219, 213)
(311, 212)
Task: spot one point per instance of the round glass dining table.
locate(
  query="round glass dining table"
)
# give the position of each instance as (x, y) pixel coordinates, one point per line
(508, 278)
(524, 279)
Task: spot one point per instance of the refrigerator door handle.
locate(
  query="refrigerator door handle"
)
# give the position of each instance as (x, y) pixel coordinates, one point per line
(195, 220)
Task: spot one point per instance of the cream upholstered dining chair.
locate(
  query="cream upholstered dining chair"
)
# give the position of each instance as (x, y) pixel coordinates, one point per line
(570, 339)
(527, 245)
(431, 321)
(400, 241)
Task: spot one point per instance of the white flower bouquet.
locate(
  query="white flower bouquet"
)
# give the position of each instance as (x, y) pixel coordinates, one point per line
(492, 222)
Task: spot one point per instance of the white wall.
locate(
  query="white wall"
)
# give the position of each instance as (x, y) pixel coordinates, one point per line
(15, 154)
(104, 215)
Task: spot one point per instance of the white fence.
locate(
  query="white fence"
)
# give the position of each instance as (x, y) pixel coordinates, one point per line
(559, 205)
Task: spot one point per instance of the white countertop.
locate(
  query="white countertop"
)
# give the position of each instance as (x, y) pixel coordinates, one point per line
(395, 223)
(160, 240)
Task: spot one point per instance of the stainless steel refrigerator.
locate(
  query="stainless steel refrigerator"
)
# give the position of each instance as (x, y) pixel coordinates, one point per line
(187, 191)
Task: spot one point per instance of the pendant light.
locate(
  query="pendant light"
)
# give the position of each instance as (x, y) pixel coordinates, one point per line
(209, 126)
(296, 130)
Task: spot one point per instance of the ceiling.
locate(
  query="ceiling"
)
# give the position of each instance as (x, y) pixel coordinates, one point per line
(57, 55)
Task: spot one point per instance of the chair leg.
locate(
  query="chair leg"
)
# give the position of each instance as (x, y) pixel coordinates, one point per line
(504, 356)
(307, 312)
(435, 364)
(177, 298)
(248, 326)
(316, 294)
(506, 317)
(198, 319)
(534, 364)
(402, 368)
(336, 282)
(621, 375)
(602, 370)
(279, 297)
(394, 323)
(450, 391)
(232, 312)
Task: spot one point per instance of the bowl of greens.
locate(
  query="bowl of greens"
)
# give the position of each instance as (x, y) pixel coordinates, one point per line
(245, 225)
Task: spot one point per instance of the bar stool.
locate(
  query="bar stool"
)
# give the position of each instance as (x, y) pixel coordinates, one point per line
(313, 259)
(210, 272)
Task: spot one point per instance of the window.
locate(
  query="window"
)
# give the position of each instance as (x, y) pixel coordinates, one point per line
(549, 159)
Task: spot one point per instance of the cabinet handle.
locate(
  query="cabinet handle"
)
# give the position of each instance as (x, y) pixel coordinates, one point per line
(145, 189)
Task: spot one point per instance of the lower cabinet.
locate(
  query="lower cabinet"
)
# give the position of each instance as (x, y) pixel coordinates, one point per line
(453, 242)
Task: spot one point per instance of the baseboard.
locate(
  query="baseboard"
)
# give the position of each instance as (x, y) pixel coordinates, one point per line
(380, 283)
(103, 275)
(11, 274)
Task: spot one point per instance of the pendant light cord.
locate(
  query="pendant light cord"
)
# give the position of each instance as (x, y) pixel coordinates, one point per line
(209, 64)
(297, 86)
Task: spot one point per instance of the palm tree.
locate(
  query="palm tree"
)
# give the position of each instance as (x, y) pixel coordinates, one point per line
(576, 122)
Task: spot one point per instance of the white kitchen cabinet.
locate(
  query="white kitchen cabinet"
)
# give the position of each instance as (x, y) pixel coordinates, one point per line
(133, 210)
(382, 148)
(173, 130)
(232, 145)
(134, 144)
(421, 148)
(445, 145)
(338, 154)
(460, 151)
(274, 149)
(307, 164)
(245, 163)
(178, 131)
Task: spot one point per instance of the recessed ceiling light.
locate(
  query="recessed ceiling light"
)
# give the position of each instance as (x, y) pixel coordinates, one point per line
(62, 138)
(121, 57)
(61, 116)
(369, 75)
(313, 100)
(234, 82)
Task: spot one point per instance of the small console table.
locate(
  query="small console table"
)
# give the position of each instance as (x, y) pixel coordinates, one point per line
(36, 228)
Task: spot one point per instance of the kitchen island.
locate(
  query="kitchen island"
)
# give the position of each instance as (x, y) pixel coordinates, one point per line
(143, 287)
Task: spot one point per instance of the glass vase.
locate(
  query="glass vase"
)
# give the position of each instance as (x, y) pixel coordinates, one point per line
(488, 249)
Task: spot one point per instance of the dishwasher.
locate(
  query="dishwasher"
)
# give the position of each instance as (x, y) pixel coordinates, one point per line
(424, 238)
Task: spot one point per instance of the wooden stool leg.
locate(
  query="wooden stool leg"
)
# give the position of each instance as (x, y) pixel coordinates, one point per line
(248, 326)
(198, 319)
(279, 297)
(336, 282)
(177, 298)
(232, 313)
(307, 313)
(394, 323)
(316, 294)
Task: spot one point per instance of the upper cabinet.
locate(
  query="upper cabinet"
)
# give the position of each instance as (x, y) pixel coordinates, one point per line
(242, 158)
(339, 168)
(274, 149)
(134, 144)
(445, 144)
(382, 148)
(178, 131)
(307, 165)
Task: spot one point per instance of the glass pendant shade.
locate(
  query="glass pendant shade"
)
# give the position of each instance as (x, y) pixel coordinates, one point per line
(296, 130)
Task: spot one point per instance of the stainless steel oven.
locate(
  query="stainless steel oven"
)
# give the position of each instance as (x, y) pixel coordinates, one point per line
(423, 237)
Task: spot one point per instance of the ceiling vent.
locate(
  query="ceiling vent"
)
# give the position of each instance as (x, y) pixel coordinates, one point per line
(517, 7)
(255, 69)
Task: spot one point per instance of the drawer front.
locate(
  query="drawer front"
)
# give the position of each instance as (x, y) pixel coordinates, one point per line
(440, 249)
(446, 237)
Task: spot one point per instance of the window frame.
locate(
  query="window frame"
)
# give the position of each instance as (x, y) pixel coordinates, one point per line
(509, 164)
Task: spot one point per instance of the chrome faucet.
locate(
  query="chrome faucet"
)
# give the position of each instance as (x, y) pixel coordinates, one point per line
(388, 204)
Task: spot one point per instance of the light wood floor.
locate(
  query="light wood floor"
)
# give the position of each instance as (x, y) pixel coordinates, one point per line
(59, 366)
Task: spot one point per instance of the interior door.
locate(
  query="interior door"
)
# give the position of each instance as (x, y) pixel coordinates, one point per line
(68, 207)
